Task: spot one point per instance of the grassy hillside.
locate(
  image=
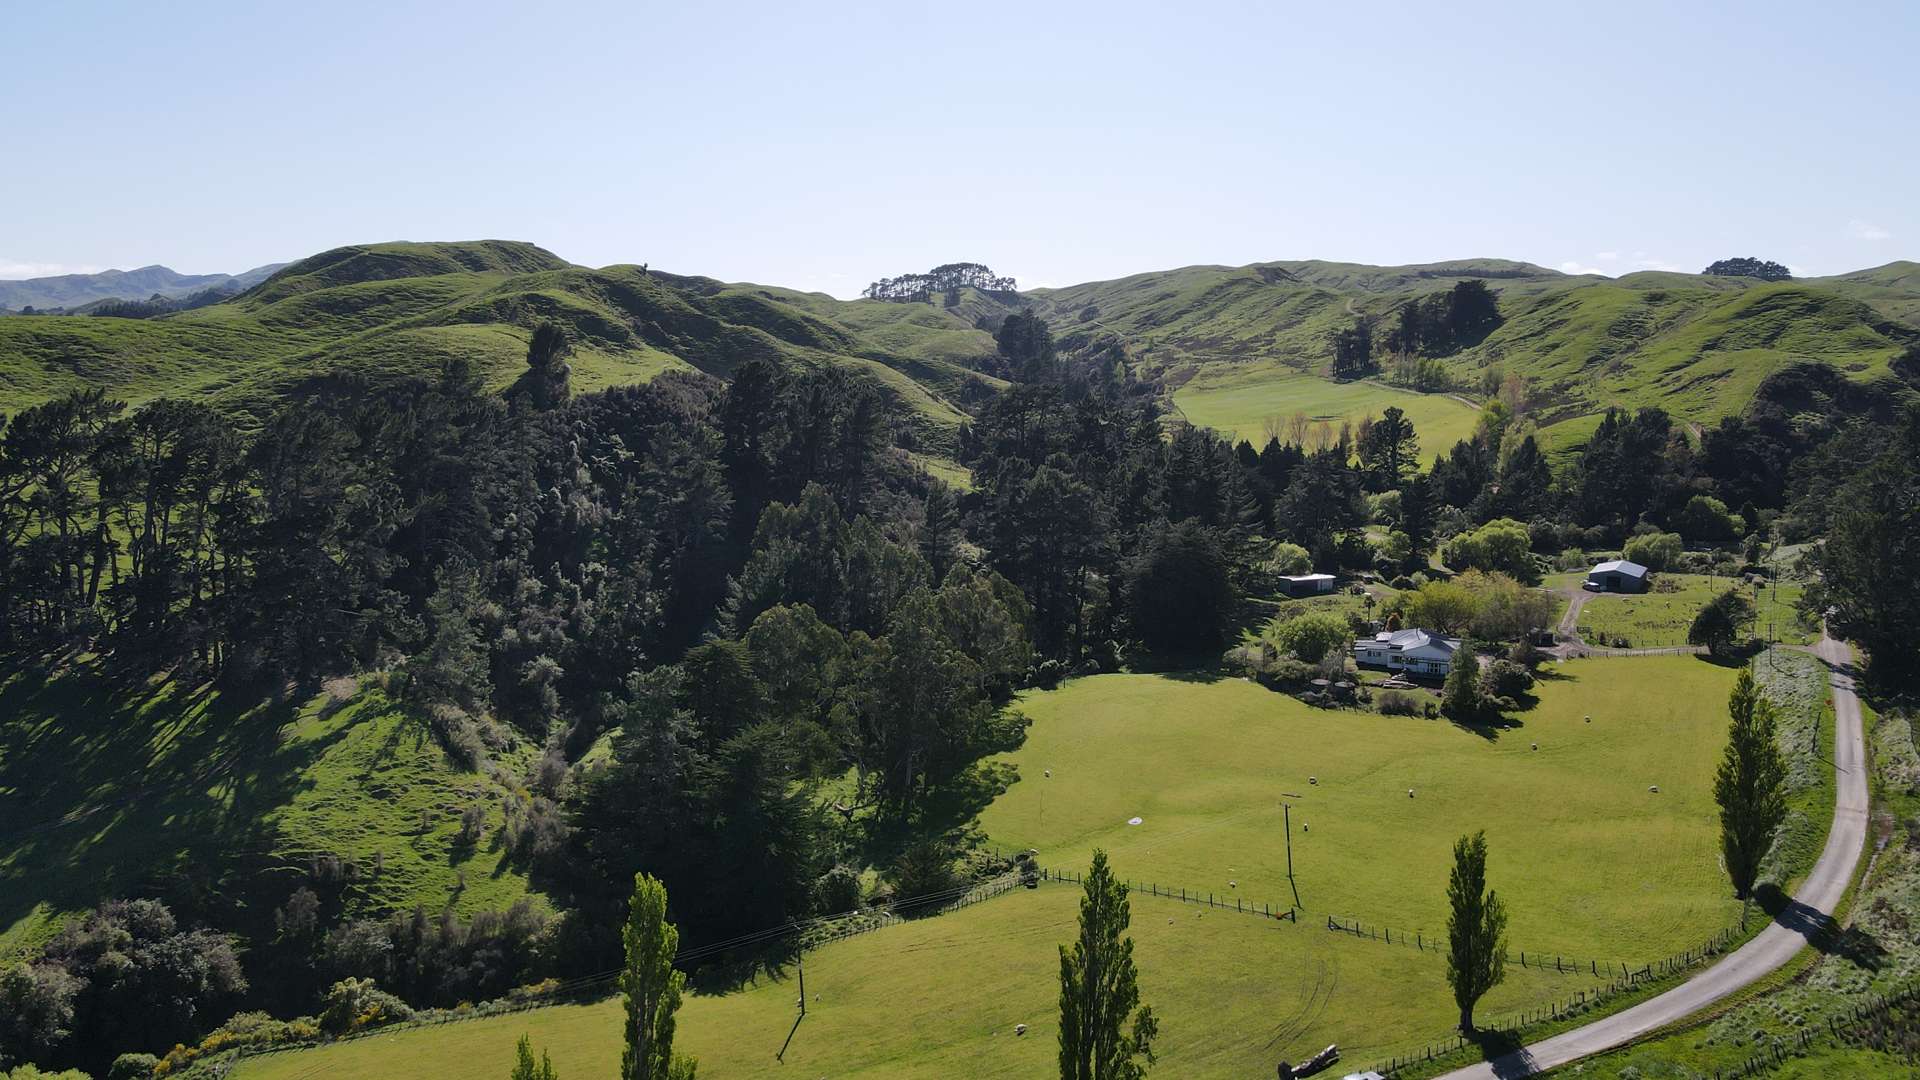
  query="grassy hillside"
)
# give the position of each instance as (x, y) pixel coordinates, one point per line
(1695, 345)
(109, 788)
(402, 308)
(940, 997)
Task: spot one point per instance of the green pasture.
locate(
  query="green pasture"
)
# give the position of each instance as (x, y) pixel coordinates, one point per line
(112, 788)
(1590, 861)
(1663, 616)
(940, 998)
(1239, 400)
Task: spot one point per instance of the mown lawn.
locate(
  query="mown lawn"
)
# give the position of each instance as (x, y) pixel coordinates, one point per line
(1239, 399)
(1590, 861)
(940, 998)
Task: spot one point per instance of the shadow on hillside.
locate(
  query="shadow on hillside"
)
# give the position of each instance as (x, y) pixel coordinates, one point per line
(1822, 931)
(139, 787)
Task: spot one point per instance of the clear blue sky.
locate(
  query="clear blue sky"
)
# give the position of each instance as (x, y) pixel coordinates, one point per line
(1055, 142)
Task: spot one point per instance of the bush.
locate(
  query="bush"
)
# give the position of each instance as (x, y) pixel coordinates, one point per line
(1655, 551)
(837, 890)
(1397, 703)
(1502, 544)
(1707, 518)
(1309, 638)
(924, 876)
(1506, 679)
(1446, 606)
(1289, 559)
(357, 1004)
(132, 1067)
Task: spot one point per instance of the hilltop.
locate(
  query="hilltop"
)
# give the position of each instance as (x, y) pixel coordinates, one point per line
(78, 290)
(1241, 337)
(403, 308)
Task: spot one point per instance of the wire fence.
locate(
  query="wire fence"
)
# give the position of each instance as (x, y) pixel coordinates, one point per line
(1579, 1002)
(1542, 960)
(1839, 1027)
(1218, 902)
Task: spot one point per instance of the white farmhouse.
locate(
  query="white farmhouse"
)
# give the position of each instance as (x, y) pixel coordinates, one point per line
(1420, 653)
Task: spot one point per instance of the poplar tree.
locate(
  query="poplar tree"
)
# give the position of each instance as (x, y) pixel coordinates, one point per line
(525, 1068)
(1476, 928)
(1098, 989)
(1750, 787)
(652, 987)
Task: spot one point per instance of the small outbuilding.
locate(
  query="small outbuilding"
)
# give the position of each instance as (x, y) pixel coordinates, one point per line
(1417, 653)
(1306, 584)
(1617, 575)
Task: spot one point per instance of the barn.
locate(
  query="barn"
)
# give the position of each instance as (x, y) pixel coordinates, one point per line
(1617, 575)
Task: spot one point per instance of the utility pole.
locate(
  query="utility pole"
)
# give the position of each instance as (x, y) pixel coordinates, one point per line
(1287, 812)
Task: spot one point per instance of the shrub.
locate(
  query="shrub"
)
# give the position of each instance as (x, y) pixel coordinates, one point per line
(1441, 605)
(923, 876)
(357, 1004)
(132, 1067)
(1502, 544)
(1508, 609)
(1506, 679)
(1310, 638)
(1289, 559)
(535, 827)
(1396, 703)
(837, 890)
(1655, 551)
(1707, 518)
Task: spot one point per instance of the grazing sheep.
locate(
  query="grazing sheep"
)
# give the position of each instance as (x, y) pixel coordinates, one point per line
(1653, 789)
(1409, 793)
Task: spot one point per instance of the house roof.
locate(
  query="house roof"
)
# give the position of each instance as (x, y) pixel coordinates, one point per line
(1620, 566)
(1410, 639)
(1306, 577)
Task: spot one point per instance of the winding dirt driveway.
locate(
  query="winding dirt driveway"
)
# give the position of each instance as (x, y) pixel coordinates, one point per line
(1808, 914)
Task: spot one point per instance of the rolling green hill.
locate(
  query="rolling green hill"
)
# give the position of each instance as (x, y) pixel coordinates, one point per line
(401, 308)
(1236, 346)
(1695, 345)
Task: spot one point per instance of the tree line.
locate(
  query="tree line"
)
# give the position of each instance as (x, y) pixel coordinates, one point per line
(947, 278)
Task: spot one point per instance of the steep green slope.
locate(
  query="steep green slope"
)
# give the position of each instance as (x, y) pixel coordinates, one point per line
(1695, 345)
(109, 788)
(404, 308)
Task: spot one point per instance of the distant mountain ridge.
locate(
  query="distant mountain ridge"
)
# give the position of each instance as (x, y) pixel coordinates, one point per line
(75, 290)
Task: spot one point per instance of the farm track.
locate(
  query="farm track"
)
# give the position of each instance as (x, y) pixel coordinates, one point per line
(1808, 915)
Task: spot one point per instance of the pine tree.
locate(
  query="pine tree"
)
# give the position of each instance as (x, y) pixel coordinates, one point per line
(652, 987)
(1098, 991)
(1476, 928)
(1750, 787)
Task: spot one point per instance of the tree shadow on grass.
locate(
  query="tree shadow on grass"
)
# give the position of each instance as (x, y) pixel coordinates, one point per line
(141, 787)
(1489, 728)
